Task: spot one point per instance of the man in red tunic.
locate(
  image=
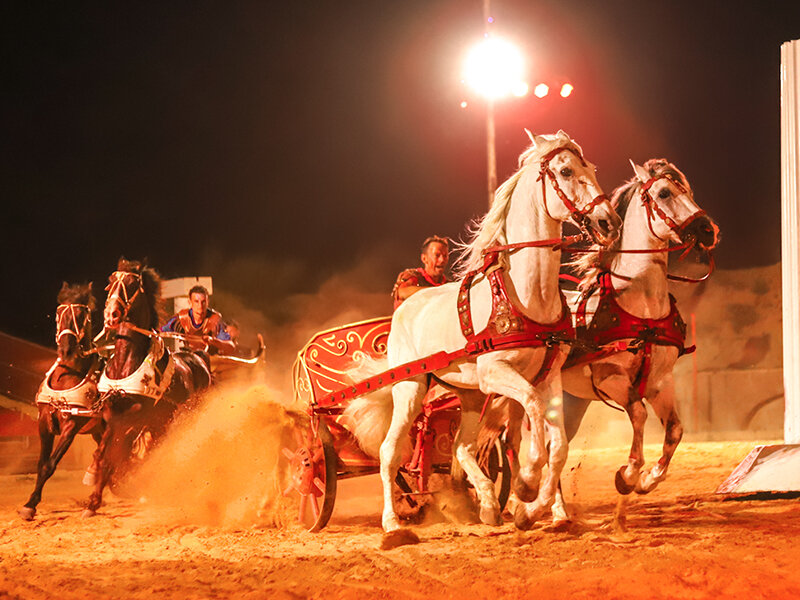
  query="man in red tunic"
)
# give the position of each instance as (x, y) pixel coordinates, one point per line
(203, 322)
(435, 254)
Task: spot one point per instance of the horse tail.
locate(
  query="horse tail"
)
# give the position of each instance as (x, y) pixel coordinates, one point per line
(368, 417)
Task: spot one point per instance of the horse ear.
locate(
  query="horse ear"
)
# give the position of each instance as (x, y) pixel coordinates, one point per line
(530, 136)
(640, 171)
(64, 286)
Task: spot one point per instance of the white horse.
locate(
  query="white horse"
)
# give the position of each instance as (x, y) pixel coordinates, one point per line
(552, 184)
(658, 208)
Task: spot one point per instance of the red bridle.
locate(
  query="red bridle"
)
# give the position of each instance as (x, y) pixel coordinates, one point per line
(654, 209)
(578, 214)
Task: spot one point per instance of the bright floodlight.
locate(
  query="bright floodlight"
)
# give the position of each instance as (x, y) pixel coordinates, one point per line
(494, 69)
(541, 90)
(566, 90)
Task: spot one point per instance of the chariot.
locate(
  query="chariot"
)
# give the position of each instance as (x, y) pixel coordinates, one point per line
(328, 451)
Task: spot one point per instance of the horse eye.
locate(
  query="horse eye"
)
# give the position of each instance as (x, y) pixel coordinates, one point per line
(664, 193)
(566, 172)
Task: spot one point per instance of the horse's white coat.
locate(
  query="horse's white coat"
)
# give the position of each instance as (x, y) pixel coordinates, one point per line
(427, 323)
(642, 290)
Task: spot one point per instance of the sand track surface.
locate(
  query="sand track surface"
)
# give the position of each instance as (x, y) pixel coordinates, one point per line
(679, 542)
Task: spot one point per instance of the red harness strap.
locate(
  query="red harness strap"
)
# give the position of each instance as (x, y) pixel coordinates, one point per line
(508, 328)
(611, 324)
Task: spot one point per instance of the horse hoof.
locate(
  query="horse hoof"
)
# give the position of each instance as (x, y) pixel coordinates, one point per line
(524, 492)
(521, 519)
(490, 516)
(27, 513)
(644, 489)
(623, 487)
(390, 524)
(88, 513)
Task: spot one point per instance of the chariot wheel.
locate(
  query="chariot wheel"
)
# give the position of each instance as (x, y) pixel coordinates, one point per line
(312, 472)
(495, 464)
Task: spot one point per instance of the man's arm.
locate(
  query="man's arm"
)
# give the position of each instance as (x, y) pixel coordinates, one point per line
(221, 346)
(407, 284)
(220, 339)
(405, 291)
(171, 324)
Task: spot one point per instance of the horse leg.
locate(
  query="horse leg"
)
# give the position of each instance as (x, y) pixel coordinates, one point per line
(102, 457)
(574, 411)
(628, 475)
(407, 397)
(464, 447)
(663, 404)
(46, 438)
(558, 448)
(500, 377)
(90, 476)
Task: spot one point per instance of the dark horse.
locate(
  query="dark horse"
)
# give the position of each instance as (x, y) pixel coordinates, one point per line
(143, 384)
(68, 393)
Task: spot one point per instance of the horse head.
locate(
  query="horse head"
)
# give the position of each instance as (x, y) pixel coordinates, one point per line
(575, 192)
(668, 201)
(74, 320)
(133, 296)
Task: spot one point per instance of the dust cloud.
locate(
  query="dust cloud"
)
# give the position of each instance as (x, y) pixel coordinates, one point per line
(221, 464)
(278, 300)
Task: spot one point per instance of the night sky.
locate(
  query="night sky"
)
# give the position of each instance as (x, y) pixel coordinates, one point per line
(273, 145)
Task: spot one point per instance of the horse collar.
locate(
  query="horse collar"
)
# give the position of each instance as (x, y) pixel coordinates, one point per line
(508, 327)
(79, 400)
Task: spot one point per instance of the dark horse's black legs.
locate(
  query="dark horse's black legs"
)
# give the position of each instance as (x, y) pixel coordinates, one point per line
(49, 459)
(123, 423)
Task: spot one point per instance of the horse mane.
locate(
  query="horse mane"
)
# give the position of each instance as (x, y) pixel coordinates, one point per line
(590, 265)
(490, 230)
(79, 293)
(151, 281)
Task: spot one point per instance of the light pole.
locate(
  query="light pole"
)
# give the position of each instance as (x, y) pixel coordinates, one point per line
(494, 69)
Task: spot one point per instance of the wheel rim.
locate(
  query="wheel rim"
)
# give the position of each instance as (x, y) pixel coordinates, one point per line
(496, 466)
(312, 468)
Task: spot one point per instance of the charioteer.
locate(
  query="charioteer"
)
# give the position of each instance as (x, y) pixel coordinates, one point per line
(435, 255)
(203, 326)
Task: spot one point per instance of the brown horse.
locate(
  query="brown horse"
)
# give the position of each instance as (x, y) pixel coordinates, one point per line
(143, 384)
(69, 390)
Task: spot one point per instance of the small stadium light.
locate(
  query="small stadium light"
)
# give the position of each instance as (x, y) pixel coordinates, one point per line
(541, 90)
(566, 90)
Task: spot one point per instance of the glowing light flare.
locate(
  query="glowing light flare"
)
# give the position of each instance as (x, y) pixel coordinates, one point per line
(520, 89)
(494, 68)
(463, 104)
(541, 90)
(566, 90)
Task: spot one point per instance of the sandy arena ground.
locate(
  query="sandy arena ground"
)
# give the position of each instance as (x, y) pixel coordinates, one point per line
(204, 540)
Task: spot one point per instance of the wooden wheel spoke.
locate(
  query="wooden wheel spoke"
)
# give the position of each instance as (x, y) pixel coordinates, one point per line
(319, 484)
(314, 506)
(302, 509)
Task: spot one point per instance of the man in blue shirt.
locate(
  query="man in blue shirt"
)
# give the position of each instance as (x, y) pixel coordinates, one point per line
(204, 325)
